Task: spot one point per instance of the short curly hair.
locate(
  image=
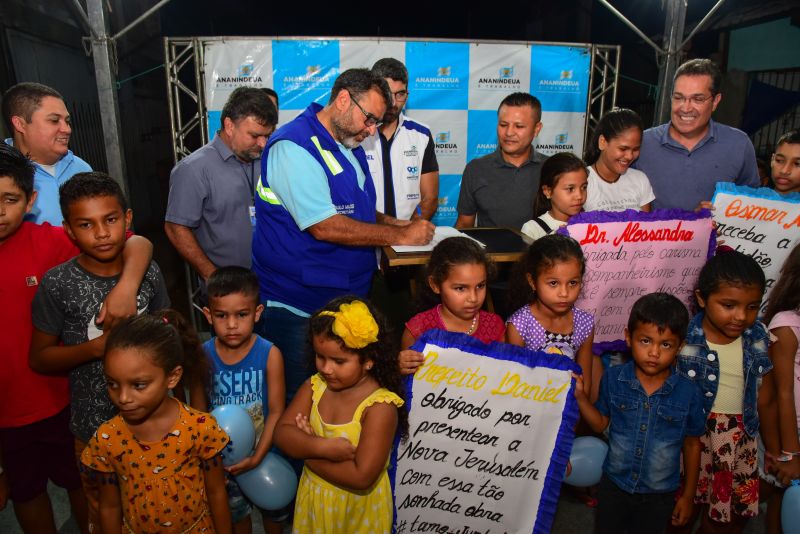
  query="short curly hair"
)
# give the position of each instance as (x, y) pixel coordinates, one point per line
(383, 352)
(89, 185)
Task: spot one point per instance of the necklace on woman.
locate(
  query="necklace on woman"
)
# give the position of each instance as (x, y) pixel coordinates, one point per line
(471, 328)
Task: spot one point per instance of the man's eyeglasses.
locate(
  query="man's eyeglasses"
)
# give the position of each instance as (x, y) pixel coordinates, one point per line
(369, 118)
(694, 99)
(400, 96)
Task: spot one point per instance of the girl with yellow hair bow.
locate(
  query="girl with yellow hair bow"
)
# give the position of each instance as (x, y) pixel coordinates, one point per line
(357, 391)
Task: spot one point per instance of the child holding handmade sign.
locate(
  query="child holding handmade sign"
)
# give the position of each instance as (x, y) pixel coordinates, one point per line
(726, 356)
(562, 192)
(548, 281)
(356, 392)
(785, 163)
(652, 414)
(457, 274)
(613, 184)
(783, 317)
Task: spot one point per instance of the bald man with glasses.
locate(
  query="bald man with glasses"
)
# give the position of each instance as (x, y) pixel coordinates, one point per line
(401, 154)
(316, 222)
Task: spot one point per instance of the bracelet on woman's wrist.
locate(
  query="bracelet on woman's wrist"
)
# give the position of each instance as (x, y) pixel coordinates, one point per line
(787, 456)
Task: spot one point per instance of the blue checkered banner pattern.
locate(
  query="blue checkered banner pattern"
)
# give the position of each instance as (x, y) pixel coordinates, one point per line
(455, 88)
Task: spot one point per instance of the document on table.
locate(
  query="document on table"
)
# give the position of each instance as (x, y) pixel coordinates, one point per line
(441, 232)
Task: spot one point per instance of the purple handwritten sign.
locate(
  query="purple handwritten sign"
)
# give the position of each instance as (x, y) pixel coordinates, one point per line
(630, 254)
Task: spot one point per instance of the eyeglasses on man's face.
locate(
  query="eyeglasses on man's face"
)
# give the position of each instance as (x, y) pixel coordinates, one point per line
(401, 96)
(698, 100)
(369, 119)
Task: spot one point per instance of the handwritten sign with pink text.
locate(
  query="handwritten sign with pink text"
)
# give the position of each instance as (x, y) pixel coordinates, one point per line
(630, 254)
(761, 223)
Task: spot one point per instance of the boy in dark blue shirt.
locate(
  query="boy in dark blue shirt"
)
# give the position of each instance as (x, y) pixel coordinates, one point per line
(652, 413)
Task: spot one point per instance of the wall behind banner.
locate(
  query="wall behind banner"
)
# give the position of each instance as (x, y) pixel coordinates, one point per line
(455, 89)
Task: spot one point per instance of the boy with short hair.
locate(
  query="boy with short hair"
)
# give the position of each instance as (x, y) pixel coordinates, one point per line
(785, 163)
(248, 372)
(66, 337)
(652, 414)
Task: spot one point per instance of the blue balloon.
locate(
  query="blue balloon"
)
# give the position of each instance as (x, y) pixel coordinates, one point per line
(236, 422)
(790, 509)
(588, 455)
(270, 485)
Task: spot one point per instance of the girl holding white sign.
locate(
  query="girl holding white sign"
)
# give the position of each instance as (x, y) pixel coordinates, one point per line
(549, 281)
(458, 273)
(356, 392)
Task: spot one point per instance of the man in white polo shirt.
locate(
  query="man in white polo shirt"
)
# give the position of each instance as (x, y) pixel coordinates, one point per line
(401, 154)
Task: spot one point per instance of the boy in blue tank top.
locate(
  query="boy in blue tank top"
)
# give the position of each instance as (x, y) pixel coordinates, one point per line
(248, 372)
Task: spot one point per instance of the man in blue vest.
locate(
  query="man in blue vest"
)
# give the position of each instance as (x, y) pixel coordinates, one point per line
(316, 223)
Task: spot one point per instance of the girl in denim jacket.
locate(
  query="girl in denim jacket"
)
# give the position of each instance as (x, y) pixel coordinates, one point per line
(726, 355)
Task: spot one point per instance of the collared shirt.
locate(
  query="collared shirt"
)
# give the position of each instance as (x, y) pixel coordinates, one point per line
(211, 192)
(683, 178)
(697, 362)
(499, 193)
(646, 433)
(47, 208)
(397, 165)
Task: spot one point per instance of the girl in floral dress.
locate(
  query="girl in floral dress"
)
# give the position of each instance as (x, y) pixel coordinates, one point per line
(725, 354)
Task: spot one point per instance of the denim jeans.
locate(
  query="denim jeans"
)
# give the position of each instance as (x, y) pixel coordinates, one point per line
(289, 332)
(619, 511)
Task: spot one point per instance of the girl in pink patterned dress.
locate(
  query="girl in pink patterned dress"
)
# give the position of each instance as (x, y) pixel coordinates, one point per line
(458, 272)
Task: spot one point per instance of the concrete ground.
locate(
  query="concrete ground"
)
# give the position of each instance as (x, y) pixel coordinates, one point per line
(571, 517)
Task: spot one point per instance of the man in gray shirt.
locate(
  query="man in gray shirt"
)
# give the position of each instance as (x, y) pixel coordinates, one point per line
(210, 212)
(499, 188)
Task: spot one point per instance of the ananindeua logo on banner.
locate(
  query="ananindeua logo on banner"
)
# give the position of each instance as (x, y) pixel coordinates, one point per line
(632, 253)
(761, 223)
(490, 431)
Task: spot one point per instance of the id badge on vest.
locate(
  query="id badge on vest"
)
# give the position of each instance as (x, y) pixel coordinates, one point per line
(252, 211)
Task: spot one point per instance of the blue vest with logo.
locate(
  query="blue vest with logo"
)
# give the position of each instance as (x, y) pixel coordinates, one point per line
(292, 266)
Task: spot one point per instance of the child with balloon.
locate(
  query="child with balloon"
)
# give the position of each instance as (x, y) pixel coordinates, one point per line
(247, 371)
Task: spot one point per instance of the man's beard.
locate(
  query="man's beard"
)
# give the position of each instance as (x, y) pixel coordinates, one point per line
(391, 115)
(249, 155)
(344, 135)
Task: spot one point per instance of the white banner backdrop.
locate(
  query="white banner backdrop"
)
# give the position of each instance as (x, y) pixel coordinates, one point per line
(455, 88)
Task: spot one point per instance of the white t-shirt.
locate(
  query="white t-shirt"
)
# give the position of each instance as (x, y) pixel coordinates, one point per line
(533, 230)
(630, 192)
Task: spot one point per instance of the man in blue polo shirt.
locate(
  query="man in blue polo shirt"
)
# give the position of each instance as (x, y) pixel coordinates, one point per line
(686, 157)
(317, 225)
(39, 124)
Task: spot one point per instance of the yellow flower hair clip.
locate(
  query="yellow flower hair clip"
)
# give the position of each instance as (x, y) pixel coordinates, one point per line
(354, 324)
